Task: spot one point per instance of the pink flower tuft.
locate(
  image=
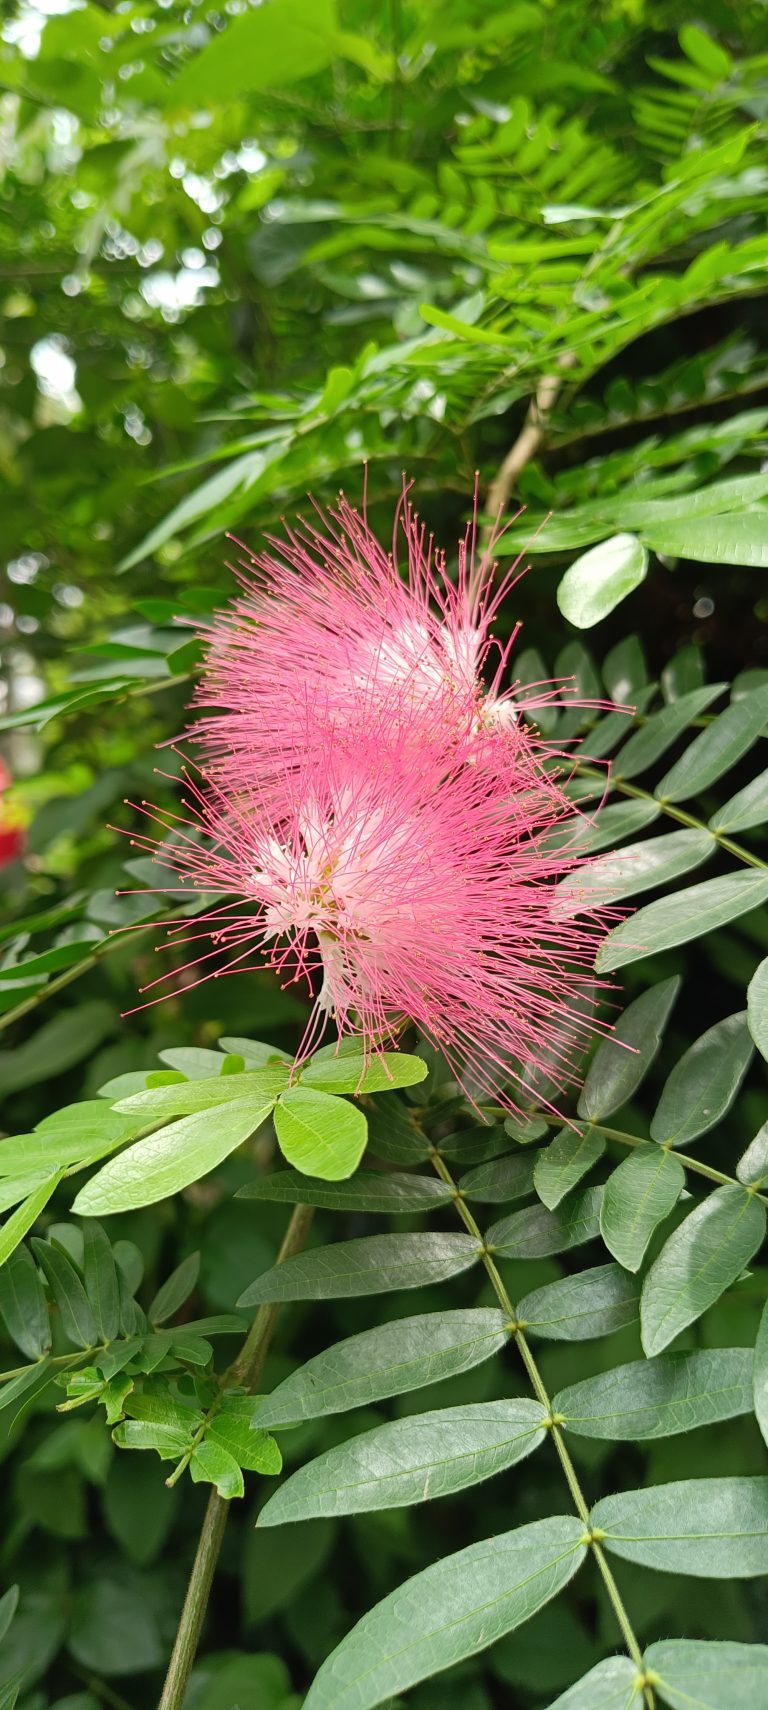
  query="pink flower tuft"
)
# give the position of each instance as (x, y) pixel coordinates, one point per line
(398, 892)
(326, 631)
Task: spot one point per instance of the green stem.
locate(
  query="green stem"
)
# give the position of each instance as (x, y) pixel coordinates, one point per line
(539, 1388)
(246, 1370)
(677, 813)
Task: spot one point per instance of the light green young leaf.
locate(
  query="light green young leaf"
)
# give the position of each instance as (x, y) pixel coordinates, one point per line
(16, 1226)
(716, 749)
(257, 52)
(319, 1134)
(169, 1160)
(561, 1165)
(390, 1360)
(386, 1191)
(411, 1460)
(610, 1685)
(712, 1528)
(232, 1428)
(699, 1261)
(661, 1397)
(184, 1098)
(452, 1610)
(358, 1074)
(591, 1303)
(678, 918)
(624, 1057)
(709, 1674)
(638, 1195)
(747, 808)
(647, 744)
(601, 578)
(499, 1180)
(735, 539)
(374, 1264)
(704, 1082)
(757, 1008)
(536, 1232)
(212, 1464)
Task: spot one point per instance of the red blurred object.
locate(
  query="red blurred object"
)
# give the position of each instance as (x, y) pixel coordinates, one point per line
(11, 836)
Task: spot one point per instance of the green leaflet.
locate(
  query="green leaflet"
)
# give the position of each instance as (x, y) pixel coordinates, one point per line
(700, 1260)
(752, 1167)
(757, 1008)
(716, 749)
(375, 1264)
(564, 1161)
(713, 1528)
(646, 745)
(534, 1233)
(704, 1083)
(411, 1460)
(747, 808)
(601, 578)
(348, 1074)
(390, 1360)
(659, 1397)
(392, 1191)
(639, 1194)
(761, 1374)
(638, 867)
(623, 1058)
(450, 1611)
(591, 1303)
(169, 1160)
(186, 1097)
(15, 1227)
(709, 1674)
(680, 917)
(610, 1685)
(499, 1180)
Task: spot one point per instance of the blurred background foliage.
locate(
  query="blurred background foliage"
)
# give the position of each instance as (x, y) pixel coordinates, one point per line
(244, 251)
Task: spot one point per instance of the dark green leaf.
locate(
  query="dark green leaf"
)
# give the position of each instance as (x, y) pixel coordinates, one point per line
(682, 916)
(100, 1278)
(638, 1196)
(610, 1685)
(713, 1528)
(658, 1398)
(375, 1264)
(609, 826)
(752, 1167)
(704, 1083)
(319, 1134)
(623, 1058)
(390, 1360)
(169, 1160)
(647, 744)
(761, 1374)
(500, 1180)
(564, 1161)
(23, 1304)
(35, 1376)
(716, 749)
(700, 1260)
(709, 1674)
(369, 1190)
(176, 1289)
(536, 1232)
(757, 1008)
(411, 1460)
(8, 1607)
(592, 1303)
(77, 1316)
(452, 1610)
(638, 867)
(747, 808)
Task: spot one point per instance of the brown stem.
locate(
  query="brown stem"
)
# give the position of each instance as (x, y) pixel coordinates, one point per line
(528, 441)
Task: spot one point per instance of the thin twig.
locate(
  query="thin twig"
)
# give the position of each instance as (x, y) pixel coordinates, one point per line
(246, 1370)
(528, 441)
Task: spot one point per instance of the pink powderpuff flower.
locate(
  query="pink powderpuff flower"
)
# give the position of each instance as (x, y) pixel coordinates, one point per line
(326, 626)
(397, 895)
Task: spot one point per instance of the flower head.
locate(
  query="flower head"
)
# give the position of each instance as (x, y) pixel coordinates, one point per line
(398, 892)
(327, 631)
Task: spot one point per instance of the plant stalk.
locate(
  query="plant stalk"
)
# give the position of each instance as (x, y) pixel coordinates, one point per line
(246, 1370)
